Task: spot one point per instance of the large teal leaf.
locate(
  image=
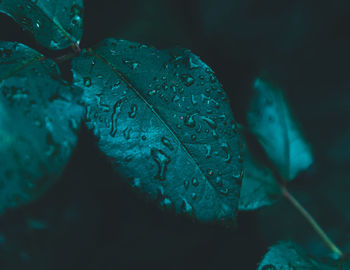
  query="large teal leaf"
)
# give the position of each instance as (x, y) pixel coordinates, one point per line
(38, 124)
(271, 120)
(55, 24)
(288, 255)
(165, 122)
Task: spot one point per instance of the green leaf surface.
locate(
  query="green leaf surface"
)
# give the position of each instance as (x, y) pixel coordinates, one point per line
(55, 24)
(39, 121)
(289, 256)
(164, 120)
(270, 119)
(259, 186)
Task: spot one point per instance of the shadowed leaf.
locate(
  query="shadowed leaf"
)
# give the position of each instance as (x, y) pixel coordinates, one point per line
(165, 122)
(38, 124)
(55, 24)
(287, 255)
(270, 119)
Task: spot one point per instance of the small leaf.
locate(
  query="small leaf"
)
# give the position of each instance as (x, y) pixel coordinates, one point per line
(39, 120)
(164, 121)
(287, 255)
(259, 186)
(270, 119)
(55, 24)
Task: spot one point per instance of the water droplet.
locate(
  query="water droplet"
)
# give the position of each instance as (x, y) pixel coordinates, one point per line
(162, 161)
(114, 117)
(166, 203)
(215, 135)
(128, 158)
(167, 143)
(193, 137)
(126, 133)
(187, 79)
(195, 182)
(211, 123)
(133, 110)
(210, 172)
(99, 76)
(152, 92)
(227, 151)
(208, 153)
(193, 100)
(193, 63)
(186, 207)
(131, 64)
(212, 78)
(194, 196)
(143, 137)
(189, 121)
(223, 191)
(87, 81)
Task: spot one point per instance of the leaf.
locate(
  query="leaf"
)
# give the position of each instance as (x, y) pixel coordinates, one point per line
(287, 255)
(39, 121)
(164, 121)
(259, 186)
(55, 24)
(270, 119)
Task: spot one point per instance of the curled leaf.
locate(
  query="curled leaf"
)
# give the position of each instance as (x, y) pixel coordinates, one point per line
(39, 120)
(55, 24)
(164, 121)
(270, 119)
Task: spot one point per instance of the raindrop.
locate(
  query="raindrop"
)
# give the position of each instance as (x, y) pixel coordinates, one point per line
(189, 121)
(87, 81)
(186, 184)
(215, 135)
(126, 133)
(218, 181)
(193, 100)
(162, 161)
(193, 137)
(192, 63)
(131, 64)
(143, 137)
(114, 117)
(226, 149)
(194, 196)
(208, 153)
(167, 143)
(128, 158)
(133, 110)
(186, 207)
(223, 191)
(195, 182)
(211, 123)
(210, 172)
(166, 203)
(187, 79)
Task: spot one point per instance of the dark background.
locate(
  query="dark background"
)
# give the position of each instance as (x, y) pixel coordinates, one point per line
(91, 220)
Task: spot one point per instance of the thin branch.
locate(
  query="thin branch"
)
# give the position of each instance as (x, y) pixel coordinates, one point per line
(328, 242)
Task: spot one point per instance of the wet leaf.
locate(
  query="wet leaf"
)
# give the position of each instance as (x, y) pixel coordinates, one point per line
(270, 119)
(259, 186)
(287, 256)
(165, 122)
(39, 121)
(55, 24)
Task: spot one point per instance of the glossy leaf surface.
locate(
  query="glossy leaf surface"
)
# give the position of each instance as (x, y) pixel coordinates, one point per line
(55, 24)
(270, 119)
(165, 122)
(38, 124)
(287, 255)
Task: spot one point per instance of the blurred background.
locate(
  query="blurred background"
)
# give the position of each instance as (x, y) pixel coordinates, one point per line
(91, 220)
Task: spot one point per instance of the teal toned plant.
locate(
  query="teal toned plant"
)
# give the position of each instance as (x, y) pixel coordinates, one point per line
(162, 119)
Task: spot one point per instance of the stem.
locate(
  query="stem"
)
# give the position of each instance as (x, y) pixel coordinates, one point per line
(328, 242)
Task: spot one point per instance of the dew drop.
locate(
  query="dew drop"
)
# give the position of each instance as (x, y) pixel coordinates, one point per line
(195, 182)
(166, 203)
(133, 110)
(187, 79)
(167, 143)
(223, 191)
(162, 161)
(186, 207)
(208, 151)
(210, 172)
(126, 133)
(193, 137)
(87, 81)
(114, 117)
(227, 151)
(189, 121)
(186, 184)
(211, 123)
(218, 181)
(194, 196)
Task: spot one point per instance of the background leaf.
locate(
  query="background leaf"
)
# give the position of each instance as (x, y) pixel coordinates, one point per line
(287, 255)
(39, 122)
(164, 120)
(270, 119)
(55, 24)
(259, 185)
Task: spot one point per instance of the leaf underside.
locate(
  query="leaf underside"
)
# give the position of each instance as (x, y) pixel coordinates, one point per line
(270, 120)
(287, 256)
(164, 121)
(39, 120)
(55, 24)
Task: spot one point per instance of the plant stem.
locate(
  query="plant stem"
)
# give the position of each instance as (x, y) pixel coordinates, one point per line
(328, 242)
